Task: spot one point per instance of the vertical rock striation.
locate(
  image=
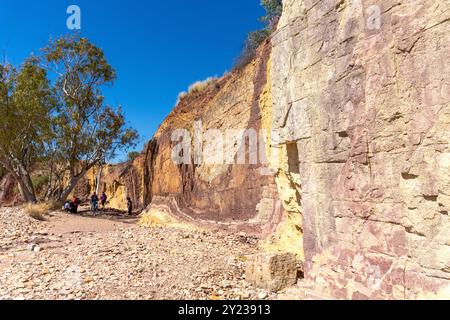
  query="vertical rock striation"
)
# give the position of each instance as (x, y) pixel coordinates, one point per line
(354, 169)
(218, 191)
(367, 111)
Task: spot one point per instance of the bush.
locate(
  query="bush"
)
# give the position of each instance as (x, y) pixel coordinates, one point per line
(39, 182)
(181, 96)
(254, 40)
(274, 9)
(37, 211)
(133, 155)
(199, 86)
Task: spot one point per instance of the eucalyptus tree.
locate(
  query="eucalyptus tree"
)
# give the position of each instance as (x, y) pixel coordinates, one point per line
(87, 131)
(26, 104)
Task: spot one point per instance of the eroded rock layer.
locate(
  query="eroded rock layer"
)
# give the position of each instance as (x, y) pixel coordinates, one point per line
(352, 100)
(366, 112)
(213, 190)
(9, 191)
(209, 190)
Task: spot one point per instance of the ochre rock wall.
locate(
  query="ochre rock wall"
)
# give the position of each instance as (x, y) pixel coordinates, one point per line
(118, 181)
(9, 191)
(367, 111)
(238, 197)
(357, 121)
(223, 195)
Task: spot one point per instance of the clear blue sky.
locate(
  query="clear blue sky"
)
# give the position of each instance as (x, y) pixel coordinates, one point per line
(158, 47)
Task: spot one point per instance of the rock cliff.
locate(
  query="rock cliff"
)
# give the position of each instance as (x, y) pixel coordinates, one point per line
(353, 98)
(350, 104)
(210, 192)
(366, 100)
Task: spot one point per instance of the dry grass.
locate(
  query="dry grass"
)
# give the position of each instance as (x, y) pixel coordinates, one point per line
(38, 211)
(199, 86)
(181, 96)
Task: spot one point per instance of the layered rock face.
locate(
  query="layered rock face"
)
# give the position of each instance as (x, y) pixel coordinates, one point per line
(209, 186)
(363, 105)
(118, 182)
(349, 105)
(352, 98)
(227, 184)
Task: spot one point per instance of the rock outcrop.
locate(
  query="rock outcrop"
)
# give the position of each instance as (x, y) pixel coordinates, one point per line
(273, 272)
(366, 100)
(349, 102)
(209, 190)
(353, 98)
(118, 182)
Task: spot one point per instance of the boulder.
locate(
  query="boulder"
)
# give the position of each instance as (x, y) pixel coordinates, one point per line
(271, 271)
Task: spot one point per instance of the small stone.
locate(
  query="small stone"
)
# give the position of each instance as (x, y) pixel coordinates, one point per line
(262, 295)
(88, 279)
(246, 295)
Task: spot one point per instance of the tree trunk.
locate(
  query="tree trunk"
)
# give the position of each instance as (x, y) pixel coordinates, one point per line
(68, 190)
(99, 178)
(72, 184)
(27, 191)
(22, 176)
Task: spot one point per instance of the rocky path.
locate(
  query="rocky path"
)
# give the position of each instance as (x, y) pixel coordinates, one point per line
(112, 257)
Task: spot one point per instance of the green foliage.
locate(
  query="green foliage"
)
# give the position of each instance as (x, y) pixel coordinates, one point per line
(274, 9)
(26, 102)
(133, 155)
(40, 182)
(64, 127)
(87, 131)
(253, 41)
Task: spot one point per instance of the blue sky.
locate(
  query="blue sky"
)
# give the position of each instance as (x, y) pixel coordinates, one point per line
(158, 47)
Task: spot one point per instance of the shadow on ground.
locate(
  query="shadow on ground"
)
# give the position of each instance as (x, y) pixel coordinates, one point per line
(108, 214)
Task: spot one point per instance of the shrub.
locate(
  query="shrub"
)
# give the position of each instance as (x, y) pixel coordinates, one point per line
(133, 155)
(254, 40)
(181, 96)
(37, 211)
(274, 9)
(199, 86)
(39, 182)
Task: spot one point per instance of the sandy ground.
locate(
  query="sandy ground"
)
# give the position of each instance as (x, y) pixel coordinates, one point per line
(110, 256)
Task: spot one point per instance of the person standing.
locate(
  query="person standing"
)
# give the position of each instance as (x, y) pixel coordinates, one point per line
(74, 204)
(103, 199)
(94, 202)
(130, 206)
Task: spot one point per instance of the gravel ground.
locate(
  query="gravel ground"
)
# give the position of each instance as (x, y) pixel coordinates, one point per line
(112, 257)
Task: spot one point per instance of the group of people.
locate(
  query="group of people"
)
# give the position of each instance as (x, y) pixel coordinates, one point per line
(95, 200)
(72, 206)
